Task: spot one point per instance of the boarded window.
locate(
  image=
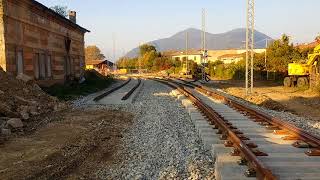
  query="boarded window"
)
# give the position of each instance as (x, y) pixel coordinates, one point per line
(72, 66)
(19, 62)
(42, 66)
(49, 70)
(67, 69)
(36, 66)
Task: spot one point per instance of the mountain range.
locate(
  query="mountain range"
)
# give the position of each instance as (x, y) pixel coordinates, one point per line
(234, 39)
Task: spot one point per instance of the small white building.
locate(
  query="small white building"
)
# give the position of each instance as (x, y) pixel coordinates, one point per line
(231, 58)
(192, 56)
(227, 56)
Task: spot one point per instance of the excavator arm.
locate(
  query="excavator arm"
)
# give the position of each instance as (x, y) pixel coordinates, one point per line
(314, 57)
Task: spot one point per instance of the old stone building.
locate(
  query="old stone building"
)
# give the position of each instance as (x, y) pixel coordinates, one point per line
(38, 42)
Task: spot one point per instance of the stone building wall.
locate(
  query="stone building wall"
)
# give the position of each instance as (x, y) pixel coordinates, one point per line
(40, 37)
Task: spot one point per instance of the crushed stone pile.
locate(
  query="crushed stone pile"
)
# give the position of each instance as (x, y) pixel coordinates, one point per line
(258, 99)
(21, 99)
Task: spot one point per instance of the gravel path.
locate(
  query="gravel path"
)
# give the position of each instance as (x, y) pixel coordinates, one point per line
(162, 144)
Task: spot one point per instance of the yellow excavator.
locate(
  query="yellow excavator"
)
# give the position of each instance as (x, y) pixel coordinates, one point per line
(306, 74)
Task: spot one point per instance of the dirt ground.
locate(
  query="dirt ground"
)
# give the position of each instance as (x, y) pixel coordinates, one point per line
(73, 146)
(274, 96)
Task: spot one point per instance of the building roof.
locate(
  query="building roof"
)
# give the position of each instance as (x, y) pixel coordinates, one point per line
(97, 62)
(308, 45)
(60, 17)
(190, 52)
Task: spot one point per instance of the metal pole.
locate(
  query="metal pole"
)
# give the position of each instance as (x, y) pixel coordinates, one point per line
(265, 60)
(252, 43)
(204, 29)
(249, 46)
(187, 39)
(203, 43)
(247, 50)
(139, 59)
(114, 51)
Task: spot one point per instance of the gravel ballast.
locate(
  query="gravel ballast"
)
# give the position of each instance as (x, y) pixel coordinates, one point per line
(162, 143)
(306, 124)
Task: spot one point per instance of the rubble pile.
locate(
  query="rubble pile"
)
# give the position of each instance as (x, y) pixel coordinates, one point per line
(265, 101)
(20, 101)
(258, 99)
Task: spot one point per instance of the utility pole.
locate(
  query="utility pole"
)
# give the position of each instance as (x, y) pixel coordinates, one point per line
(250, 46)
(187, 39)
(114, 50)
(203, 37)
(203, 42)
(139, 59)
(265, 59)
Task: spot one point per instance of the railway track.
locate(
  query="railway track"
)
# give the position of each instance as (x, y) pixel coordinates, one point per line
(269, 147)
(122, 92)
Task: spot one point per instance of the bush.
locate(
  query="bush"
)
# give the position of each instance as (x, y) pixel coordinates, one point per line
(226, 71)
(94, 82)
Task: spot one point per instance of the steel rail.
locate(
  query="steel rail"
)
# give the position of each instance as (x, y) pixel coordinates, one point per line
(245, 151)
(127, 96)
(98, 98)
(312, 140)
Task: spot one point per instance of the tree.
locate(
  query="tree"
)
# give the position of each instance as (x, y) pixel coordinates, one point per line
(93, 53)
(280, 54)
(62, 10)
(285, 39)
(146, 48)
(317, 39)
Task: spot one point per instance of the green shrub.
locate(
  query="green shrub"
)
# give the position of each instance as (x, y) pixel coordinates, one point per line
(94, 82)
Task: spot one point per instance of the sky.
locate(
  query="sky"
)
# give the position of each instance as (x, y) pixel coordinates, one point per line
(133, 22)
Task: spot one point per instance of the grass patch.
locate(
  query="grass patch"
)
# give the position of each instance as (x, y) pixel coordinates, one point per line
(70, 91)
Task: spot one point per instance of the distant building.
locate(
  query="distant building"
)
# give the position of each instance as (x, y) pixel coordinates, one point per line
(227, 56)
(214, 55)
(195, 56)
(102, 66)
(231, 58)
(309, 45)
(39, 42)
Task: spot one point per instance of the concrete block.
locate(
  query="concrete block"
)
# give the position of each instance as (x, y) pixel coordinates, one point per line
(196, 115)
(211, 138)
(280, 149)
(245, 124)
(181, 97)
(187, 103)
(265, 141)
(254, 130)
(220, 149)
(206, 130)
(226, 168)
(262, 135)
(192, 110)
(201, 125)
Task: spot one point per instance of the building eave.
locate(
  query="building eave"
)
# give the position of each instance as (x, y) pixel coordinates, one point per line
(60, 17)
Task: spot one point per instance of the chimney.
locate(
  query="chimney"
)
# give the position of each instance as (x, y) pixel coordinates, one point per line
(73, 16)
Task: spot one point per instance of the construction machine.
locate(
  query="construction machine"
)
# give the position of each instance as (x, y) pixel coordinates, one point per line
(304, 74)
